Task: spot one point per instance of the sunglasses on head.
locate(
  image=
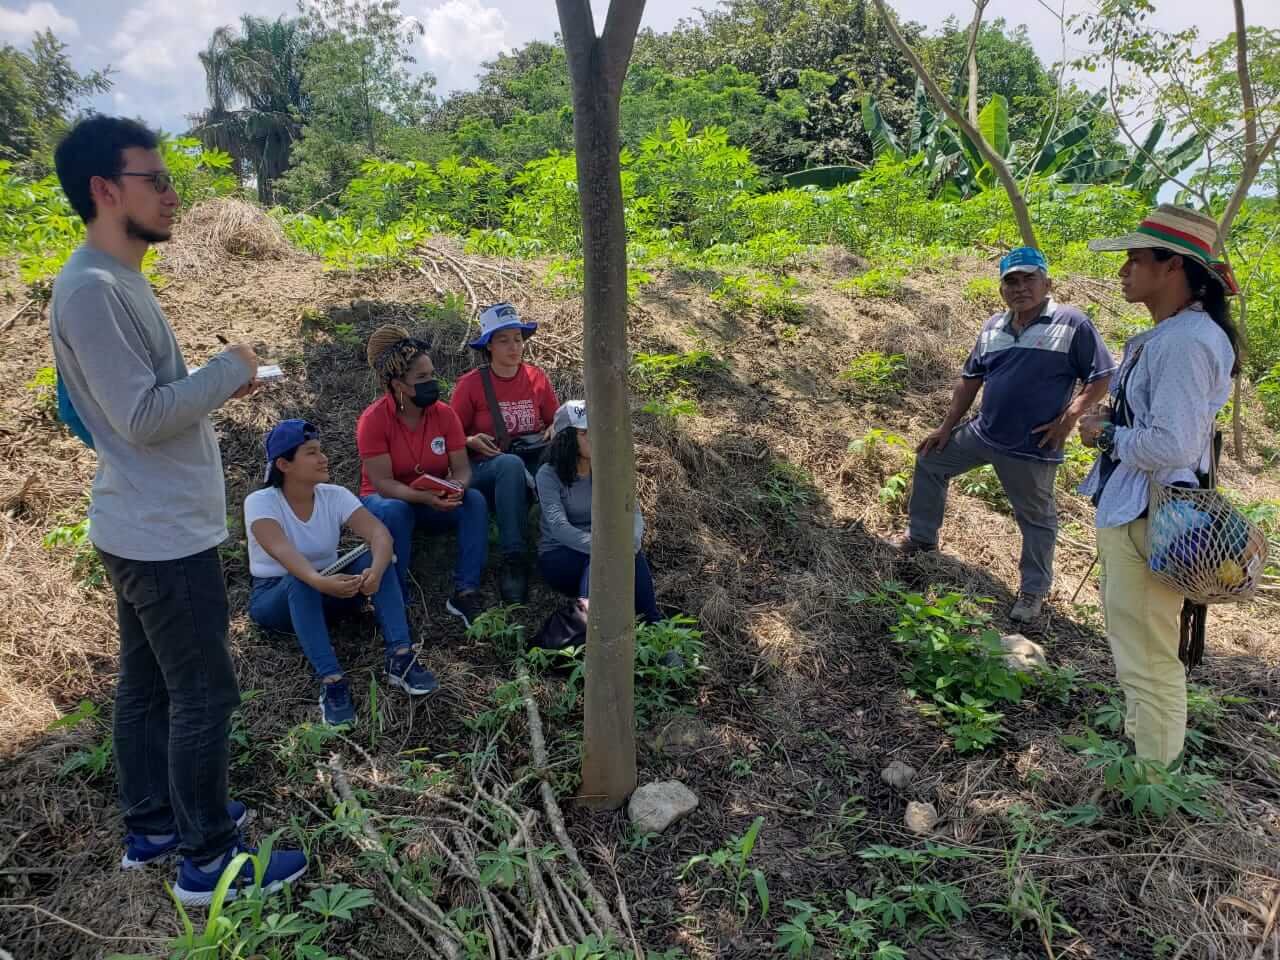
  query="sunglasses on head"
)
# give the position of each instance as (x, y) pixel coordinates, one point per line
(160, 181)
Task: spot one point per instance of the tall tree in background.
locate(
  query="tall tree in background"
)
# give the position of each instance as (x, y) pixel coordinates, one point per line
(40, 95)
(597, 68)
(358, 85)
(980, 139)
(1225, 99)
(256, 100)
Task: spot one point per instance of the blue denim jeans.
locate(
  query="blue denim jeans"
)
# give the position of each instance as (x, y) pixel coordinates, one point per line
(569, 572)
(291, 606)
(470, 520)
(502, 481)
(174, 699)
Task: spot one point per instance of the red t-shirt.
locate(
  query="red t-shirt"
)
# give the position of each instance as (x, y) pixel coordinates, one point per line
(527, 401)
(413, 453)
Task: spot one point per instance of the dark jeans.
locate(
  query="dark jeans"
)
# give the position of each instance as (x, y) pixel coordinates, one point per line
(569, 572)
(174, 699)
(470, 520)
(291, 606)
(502, 481)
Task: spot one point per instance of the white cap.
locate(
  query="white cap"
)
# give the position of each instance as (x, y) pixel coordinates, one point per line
(571, 414)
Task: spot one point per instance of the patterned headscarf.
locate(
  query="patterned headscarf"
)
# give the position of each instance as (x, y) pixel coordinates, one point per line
(391, 352)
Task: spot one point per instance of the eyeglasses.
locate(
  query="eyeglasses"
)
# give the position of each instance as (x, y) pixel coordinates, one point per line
(161, 181)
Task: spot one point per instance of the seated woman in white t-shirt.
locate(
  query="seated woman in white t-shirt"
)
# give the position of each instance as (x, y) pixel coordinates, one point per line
(294, 523)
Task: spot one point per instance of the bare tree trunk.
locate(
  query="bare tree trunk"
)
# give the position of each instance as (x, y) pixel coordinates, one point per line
(597, 66)
(1020, 212)
(979, 6)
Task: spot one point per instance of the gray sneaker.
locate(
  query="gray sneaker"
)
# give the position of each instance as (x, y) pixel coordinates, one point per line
(1027, 608)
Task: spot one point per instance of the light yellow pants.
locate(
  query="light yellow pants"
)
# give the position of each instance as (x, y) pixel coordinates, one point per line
(1142, 628)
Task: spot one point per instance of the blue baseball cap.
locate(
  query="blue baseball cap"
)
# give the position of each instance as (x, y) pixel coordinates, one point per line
(285, 436)
(500, 316)
(1023, 260)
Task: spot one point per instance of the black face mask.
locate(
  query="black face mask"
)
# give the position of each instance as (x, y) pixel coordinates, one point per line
(426, 393)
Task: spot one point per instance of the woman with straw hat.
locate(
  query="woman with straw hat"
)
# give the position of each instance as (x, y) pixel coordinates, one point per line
(408, 441)
(1173, 380)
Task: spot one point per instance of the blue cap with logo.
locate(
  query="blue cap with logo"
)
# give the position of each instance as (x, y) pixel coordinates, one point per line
(500, 316)
(1023, 260)
(285, 436)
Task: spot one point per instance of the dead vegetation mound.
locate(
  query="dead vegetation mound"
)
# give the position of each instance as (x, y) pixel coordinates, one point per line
(225, 227)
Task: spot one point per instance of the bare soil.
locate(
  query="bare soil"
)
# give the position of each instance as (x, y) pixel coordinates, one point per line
(802, 700)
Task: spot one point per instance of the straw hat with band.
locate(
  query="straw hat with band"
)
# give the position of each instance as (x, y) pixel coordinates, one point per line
(1178, 230)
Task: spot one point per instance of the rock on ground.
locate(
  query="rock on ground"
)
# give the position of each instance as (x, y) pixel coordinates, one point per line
(1023, 655)
(655, 806)
(898, 774)
(921, 817)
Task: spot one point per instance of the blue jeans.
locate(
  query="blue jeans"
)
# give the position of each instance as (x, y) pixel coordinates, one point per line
(502, 481)
(470, 520)
(291, 606)
(174, 699)
(569, 572)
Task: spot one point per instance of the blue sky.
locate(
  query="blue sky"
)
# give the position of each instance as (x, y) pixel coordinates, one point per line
(152, 44)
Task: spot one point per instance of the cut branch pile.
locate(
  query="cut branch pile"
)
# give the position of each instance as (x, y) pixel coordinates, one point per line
(512, 867)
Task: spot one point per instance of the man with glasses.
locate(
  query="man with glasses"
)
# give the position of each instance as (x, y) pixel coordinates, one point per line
(1027, 363)
(158, 511)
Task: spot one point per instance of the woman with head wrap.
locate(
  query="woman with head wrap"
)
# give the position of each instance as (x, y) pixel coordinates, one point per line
(405, 437)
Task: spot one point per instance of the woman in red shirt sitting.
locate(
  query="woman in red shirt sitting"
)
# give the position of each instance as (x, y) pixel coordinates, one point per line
(405, 437)
(528, 405)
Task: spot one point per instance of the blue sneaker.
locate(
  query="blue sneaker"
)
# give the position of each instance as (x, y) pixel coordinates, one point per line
(139, 851)
(335, 704)
(404, 671)
(195, 886)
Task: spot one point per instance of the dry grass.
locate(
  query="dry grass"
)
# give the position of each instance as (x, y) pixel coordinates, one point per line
(226, 227)
(802, 685)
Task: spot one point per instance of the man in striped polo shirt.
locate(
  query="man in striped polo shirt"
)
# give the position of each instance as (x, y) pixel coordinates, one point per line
(1027, 362)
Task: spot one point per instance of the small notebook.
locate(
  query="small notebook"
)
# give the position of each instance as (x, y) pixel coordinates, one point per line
(345, 560)
(436, 485)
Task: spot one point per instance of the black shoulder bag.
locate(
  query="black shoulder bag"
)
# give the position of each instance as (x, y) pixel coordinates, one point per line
(528, 447)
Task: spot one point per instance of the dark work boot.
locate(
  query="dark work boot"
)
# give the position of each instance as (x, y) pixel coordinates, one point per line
(513, 581)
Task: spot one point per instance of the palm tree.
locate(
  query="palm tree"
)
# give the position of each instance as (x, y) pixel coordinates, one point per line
(256, 101)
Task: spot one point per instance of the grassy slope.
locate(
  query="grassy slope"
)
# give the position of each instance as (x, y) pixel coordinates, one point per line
(762, 526)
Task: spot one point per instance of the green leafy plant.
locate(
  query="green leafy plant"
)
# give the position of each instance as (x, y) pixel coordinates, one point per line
(876, 375)
(955, 659)
(983, 484)
(86, 562)
(44, 391)
(1148, 787)
(730, 862)
(983, 292)
(784, 490)
(498, 626)
(883, 282)
(94, 760)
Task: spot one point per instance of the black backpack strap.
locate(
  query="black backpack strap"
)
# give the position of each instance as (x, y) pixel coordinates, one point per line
(1195, 616)
(500, 432)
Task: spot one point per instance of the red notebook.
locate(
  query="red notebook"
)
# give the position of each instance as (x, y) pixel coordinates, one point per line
(436, 485)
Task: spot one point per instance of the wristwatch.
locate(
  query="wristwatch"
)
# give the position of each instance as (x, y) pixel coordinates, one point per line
(1106, 439)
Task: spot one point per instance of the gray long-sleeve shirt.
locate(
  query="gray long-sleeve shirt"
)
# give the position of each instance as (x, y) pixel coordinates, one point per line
(566, 513)
(159, 492)
(1178, 383)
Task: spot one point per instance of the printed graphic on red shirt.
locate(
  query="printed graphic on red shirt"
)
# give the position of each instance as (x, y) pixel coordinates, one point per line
(527, 401)
(520, 416)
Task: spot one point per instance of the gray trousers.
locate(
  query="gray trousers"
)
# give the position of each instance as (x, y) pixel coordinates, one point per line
(1027, 483)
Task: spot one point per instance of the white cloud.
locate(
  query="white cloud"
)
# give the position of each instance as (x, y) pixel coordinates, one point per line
(37, 17)
(458, 36)
(463, 30)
